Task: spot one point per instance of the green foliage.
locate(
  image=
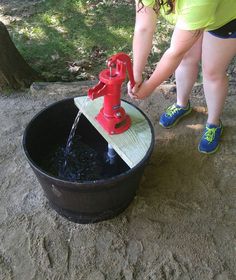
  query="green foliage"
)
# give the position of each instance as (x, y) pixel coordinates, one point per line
(71, 39)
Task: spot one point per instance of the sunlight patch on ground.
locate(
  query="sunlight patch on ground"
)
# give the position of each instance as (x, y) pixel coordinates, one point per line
(200, 109)
(195, 126)
(7, 19)
(32, 32)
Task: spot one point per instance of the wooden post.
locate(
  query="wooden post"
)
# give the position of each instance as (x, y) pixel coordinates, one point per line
(14, 71)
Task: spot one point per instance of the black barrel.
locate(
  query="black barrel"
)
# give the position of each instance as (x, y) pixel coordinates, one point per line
(81, 201)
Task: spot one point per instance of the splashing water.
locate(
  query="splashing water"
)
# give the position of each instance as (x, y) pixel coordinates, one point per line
(72, 133)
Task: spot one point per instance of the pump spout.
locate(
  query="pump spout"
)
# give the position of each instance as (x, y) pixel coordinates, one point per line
(97, 91)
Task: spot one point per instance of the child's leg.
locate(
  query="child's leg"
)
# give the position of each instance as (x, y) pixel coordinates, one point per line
(216, 55)
(187, 72)
(186, 75)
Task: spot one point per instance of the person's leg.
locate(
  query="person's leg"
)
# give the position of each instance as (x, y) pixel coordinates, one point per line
(217, 53)
(187, 72)
(186, 75)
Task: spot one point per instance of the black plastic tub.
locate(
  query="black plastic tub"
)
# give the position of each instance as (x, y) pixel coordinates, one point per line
(85, 201)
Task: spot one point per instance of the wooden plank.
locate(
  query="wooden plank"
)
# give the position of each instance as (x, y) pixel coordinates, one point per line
(133, 144)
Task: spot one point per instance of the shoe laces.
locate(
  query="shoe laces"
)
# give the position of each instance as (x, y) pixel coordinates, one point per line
(210, 134)
(172, 110)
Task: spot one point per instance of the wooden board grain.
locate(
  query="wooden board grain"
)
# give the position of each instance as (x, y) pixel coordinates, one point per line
(133, 144)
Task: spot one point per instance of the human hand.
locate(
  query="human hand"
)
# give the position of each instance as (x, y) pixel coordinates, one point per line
(140, 92)
(132, 90)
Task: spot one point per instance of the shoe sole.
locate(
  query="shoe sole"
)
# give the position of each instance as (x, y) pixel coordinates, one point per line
(173, 124)
(209, 153)
(215, 150)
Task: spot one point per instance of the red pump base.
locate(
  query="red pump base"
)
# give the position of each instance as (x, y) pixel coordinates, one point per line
(114, 125)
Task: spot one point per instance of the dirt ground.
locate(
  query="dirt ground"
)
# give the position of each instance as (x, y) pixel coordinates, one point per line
(180, 226)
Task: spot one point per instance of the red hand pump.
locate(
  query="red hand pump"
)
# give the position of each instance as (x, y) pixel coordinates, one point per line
(112, 117)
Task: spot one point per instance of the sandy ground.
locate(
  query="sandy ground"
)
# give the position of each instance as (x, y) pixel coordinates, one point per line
(180, 226)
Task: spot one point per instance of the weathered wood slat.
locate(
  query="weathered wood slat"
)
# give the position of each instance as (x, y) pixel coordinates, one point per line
(133, 144)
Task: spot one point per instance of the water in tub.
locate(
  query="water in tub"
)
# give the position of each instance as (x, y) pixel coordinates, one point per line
(78, 161)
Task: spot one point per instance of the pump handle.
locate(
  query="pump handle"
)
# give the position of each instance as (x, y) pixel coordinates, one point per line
(124, 59)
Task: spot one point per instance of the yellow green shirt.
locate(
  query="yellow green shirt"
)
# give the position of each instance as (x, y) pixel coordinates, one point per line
(199, 14)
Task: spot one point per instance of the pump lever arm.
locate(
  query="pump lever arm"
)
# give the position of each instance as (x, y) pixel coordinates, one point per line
(122, 58)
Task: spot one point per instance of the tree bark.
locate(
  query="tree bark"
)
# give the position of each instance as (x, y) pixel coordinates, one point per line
(15, 73)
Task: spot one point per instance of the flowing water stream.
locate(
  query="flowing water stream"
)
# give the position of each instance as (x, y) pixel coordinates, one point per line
(83, 160)
(72, 133)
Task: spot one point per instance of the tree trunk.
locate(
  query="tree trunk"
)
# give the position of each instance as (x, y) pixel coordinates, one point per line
(15, 73)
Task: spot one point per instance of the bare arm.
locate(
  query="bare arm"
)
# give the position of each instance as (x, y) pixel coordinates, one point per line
(181, 42)
(145, 26)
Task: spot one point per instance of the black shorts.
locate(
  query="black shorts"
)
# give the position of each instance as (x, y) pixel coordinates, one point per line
(226, 31)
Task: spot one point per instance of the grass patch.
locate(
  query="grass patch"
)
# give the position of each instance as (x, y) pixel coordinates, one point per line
(71, 39)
